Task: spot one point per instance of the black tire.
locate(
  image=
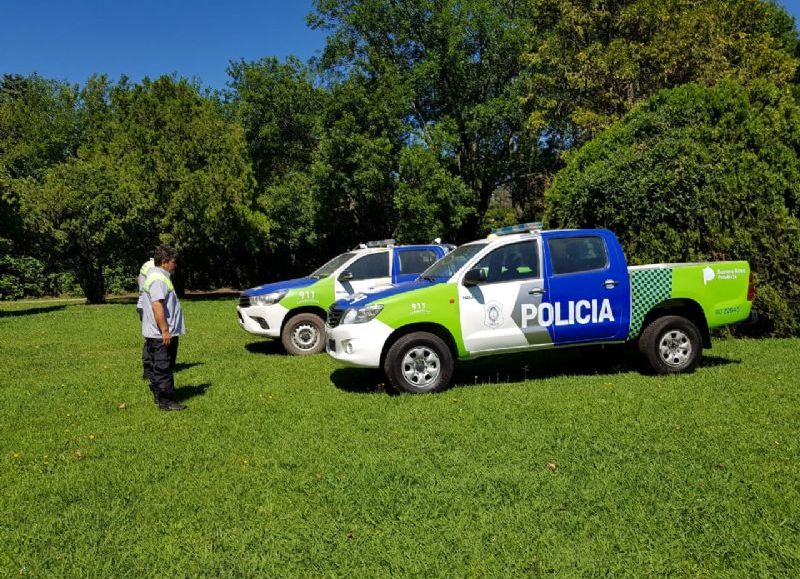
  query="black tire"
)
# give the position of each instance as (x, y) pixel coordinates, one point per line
(303, 335)
(430, 373)
(672, 345)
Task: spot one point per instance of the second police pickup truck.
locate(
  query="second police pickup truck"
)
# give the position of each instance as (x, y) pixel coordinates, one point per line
(295, 310)
(527, 289)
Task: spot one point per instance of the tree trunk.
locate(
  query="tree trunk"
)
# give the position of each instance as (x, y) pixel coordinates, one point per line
(90, 278)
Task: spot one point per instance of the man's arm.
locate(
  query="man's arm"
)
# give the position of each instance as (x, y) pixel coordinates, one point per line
(161, 321)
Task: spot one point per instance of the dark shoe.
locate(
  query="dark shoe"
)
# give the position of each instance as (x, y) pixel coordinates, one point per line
(170, 405)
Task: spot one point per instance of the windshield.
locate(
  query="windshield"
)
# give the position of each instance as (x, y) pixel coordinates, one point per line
(334, 264)
(453, 261)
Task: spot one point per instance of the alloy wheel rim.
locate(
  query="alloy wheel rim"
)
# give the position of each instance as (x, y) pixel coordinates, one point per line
(421, 366)
(675, 348)
(305, 336)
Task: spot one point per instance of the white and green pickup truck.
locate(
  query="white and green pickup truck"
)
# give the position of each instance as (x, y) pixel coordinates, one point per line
(528, 289)
(294, 310)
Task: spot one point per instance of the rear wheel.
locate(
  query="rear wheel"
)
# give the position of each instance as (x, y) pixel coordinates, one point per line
(419, 363)
(672, 345)
(304, 334)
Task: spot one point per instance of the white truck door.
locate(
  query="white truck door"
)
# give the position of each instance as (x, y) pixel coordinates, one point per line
(497, 314)
(363, 274)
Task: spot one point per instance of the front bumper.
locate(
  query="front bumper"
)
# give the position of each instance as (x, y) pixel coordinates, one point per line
(358, 344)
(262, 320)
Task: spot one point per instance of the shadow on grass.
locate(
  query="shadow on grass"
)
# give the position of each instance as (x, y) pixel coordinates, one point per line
(711, 361)
(360, 381)
(505, 368)
(186, 365)
(186, 392)
(267, 347)
(30, 311)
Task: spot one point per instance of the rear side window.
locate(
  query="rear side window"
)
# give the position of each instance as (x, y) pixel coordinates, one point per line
(577, 254)
(416, 260)
(370, 266)
(511, 262)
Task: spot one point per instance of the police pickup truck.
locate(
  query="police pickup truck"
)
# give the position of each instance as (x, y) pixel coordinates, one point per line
(527, 289)
(295, 310)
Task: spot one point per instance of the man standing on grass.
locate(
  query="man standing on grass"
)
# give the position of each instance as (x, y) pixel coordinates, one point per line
(162, 324)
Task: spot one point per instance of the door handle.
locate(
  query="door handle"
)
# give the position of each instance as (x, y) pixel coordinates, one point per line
(536, 291)
(610, 283)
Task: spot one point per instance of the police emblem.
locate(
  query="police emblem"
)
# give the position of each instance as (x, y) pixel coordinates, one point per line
(494, 315)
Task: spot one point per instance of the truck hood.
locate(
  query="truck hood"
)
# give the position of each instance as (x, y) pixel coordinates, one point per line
(279, 285)
(362, 299)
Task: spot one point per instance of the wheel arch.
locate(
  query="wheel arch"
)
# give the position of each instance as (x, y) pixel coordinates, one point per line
(303, 310)
(430, 327)
(685, 308)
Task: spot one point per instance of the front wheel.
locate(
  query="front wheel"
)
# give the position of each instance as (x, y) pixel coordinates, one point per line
(304, 334)
(671, 344)
(419, 363)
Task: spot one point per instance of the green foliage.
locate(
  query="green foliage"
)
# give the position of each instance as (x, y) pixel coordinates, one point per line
(591, 60)
(699, 174)
(158, 163)
(355, 167)
(21, 276)
(451, 68)
(430, 201)
(280, 108)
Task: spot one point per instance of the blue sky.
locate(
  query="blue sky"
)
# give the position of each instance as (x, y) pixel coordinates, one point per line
(73, 39)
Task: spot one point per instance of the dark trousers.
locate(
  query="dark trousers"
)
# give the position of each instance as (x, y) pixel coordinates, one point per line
(159, 366)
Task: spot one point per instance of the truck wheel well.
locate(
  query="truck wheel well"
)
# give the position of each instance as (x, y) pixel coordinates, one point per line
(431, 328)
(685, 308)
(316, 310)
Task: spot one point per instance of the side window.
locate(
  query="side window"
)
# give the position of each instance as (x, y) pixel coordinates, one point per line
(511, 262)
(370, 266)
(577, 254)
(416, 260)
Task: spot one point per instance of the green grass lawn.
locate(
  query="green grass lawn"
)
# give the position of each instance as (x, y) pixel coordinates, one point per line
(297, 466)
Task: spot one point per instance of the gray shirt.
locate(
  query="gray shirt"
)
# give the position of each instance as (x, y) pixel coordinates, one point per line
(172, 308)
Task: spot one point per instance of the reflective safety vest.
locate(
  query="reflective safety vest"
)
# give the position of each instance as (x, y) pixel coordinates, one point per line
(157, 276)
(147, 266)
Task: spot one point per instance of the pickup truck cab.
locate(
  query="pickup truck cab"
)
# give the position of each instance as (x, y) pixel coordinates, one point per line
(295, 310)
(527, 289)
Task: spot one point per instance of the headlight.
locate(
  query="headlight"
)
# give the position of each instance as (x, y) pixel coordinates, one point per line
(268, 299)
(361, 315)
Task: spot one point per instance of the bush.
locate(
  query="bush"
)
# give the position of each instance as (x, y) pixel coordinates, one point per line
(21, 276)
(699, 174)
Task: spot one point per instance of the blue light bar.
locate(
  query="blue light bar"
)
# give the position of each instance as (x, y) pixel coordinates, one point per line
(519, 228)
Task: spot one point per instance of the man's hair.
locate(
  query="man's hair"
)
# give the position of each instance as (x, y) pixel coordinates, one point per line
(163, 254)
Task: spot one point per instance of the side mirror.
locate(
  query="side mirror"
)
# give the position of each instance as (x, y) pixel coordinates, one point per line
(474, 277)
(346, 275)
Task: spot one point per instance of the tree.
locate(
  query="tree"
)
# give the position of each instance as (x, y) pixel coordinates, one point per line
(698, 173)
(85, 210)
(38, 128)
(159, 163)
(281, 110)
(356, 164)
(592, 60)
(455, 65)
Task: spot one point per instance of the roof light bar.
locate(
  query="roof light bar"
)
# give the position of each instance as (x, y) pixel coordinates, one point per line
(381, 243)
(519, 228)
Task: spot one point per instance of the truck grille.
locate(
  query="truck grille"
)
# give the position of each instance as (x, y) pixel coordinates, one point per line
(244, 301)
(334, 316)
